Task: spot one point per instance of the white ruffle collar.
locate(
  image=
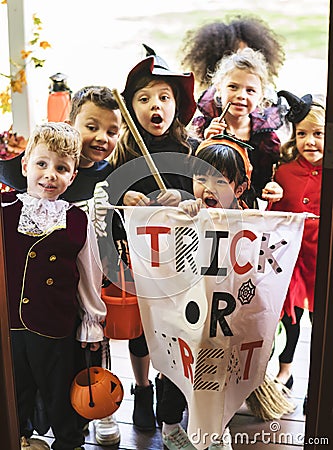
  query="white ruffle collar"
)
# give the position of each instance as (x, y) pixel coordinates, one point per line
(41, 216)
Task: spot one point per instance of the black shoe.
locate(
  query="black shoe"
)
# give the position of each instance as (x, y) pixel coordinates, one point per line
(143, 413)
(305, 405)
(40, 421)
(159, 395)
(289, 383)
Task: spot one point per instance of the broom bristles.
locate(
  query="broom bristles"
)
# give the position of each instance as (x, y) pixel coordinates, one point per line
(268, 401)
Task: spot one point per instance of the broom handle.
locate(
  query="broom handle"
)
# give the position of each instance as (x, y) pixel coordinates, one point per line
(128, 119)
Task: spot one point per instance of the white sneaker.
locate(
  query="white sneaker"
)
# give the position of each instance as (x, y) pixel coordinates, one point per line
(177, 440)
(38, 444)
(225, 443)
(107, 431)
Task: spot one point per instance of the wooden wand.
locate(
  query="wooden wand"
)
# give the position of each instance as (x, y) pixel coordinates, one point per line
(224, 112)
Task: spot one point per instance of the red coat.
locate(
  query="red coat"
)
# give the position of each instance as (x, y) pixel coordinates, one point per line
(301, 183)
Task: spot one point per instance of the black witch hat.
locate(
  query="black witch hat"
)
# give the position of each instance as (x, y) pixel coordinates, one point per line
(299, 107)
(156, 66)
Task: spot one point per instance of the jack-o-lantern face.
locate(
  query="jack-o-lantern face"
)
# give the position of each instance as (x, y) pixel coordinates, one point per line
(98, 397)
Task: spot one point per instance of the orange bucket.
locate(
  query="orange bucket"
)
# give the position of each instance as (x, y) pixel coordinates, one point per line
(58, 106)
(96, 393)
(123, 319)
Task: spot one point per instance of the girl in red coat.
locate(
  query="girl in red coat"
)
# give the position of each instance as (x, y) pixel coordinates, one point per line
(299, 175)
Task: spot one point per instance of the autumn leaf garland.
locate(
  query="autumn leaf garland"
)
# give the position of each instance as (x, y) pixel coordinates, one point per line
(17, 79)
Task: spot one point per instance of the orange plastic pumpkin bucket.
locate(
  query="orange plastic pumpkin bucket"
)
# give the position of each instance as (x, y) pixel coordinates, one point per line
(96, 393)
(123, 319)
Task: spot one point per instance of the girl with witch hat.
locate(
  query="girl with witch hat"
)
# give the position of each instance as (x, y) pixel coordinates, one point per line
(161, 103)
(297, 187)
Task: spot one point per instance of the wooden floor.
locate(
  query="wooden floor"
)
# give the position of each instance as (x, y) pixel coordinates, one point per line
(247, 431)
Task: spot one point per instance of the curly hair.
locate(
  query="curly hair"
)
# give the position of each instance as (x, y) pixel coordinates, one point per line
(205, 46)
(59, 137)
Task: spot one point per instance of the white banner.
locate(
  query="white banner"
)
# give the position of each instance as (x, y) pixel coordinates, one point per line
(210, 290)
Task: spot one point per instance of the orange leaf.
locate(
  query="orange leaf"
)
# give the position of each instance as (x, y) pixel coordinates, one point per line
(44, 45)
(25, 54)
(22, 76)
(16, 86)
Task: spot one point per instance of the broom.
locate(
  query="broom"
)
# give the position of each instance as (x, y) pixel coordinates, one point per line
(269, 400)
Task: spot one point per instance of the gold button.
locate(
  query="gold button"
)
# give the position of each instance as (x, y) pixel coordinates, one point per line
(49, 281)
(306, 200)
(52, 258)
(314, 172)
(32, 254)
(25, 300)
